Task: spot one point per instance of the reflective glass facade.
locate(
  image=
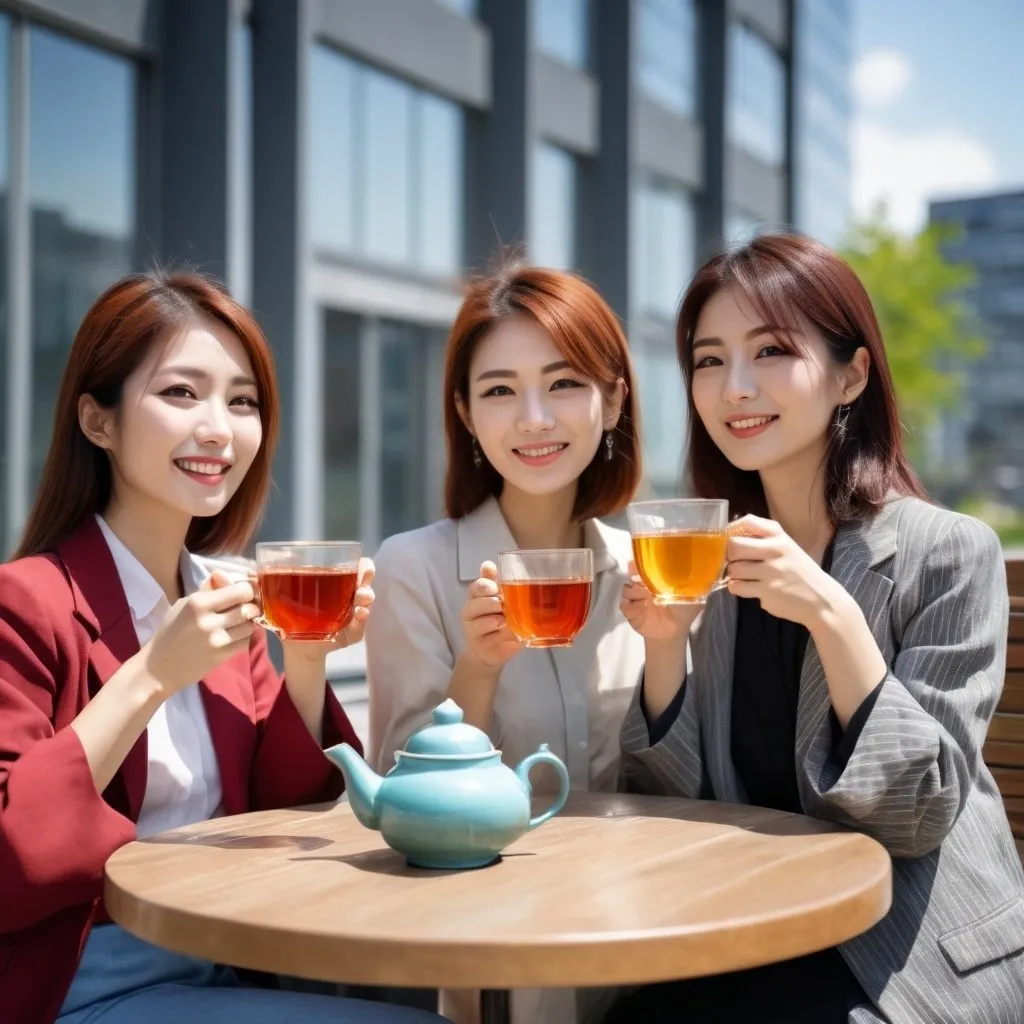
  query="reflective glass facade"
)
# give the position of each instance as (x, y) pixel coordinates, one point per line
(386, 167)
(666, 70)
(823, 111)
(82, 102)
(756, 96)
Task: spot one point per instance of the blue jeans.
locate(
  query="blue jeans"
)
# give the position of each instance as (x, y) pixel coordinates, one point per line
(123, 980)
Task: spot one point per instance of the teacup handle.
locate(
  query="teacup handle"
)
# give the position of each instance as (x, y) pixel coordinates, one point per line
(261, 619)
(523, 771)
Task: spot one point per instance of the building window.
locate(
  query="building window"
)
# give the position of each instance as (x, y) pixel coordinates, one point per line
(560, 30)
(757, 96)
(663, 414)
(552, 216)
(240, 265)
(82, 102)
(410, 357)
(342, 371)
(665, 247)
(386, 168)
(667, 59)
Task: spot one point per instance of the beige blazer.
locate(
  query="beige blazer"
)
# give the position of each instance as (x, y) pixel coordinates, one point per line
(574, 699)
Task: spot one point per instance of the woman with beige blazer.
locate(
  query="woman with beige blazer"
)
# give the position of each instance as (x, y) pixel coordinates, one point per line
(542, 439)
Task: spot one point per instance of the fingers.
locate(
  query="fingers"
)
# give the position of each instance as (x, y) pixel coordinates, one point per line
(236, 636)
(215, 581)
(366, 572)
(753, 526)
(364, 597)
(489, 571)
(753, 548)
(219, 597)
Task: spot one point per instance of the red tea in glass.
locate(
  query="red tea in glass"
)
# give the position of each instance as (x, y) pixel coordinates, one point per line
(308, 588)
(546, 594)
(546, 613)
(308, 603)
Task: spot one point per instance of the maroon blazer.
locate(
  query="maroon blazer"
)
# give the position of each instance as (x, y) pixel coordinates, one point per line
(65, 628)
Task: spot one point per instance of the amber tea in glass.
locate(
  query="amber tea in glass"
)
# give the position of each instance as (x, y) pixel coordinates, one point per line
(546, 594)
(679, 547)
(308, 589)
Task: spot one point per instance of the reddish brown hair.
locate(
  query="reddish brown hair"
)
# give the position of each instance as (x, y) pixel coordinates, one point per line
(115, 338)
(587, 333)
(783, 275)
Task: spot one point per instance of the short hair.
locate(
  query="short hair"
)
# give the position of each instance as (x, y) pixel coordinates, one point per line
(114, 339)
(587, 333)
(783, 275)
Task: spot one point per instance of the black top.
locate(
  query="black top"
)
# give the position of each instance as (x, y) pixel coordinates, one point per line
(769, 656)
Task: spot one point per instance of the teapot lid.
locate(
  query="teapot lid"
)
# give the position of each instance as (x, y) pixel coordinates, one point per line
(448, 736)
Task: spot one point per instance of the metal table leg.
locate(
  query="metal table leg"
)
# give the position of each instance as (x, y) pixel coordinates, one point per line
(495, 1007)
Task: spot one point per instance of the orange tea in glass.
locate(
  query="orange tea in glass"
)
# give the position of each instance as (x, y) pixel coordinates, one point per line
(546, 594)
(679, 547)
(308, 588)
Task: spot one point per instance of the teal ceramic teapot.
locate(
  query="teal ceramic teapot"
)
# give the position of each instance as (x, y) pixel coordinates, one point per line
(449, 802)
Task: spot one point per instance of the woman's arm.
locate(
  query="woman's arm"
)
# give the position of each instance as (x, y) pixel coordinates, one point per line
(910, 771)
(56, 830)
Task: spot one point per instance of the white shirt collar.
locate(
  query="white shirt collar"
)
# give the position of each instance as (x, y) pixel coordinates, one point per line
(142, 591)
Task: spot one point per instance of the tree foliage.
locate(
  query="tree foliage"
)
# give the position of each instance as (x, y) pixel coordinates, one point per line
(921, 298)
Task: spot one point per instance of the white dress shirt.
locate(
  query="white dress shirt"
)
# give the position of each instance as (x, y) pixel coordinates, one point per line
(183, 779)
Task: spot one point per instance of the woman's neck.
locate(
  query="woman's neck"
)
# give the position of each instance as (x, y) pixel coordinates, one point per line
(154, 537)
(797, 503)
(543, 521)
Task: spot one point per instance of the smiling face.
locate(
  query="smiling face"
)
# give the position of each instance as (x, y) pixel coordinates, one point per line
(187, 428)
(767, 396)
(538, 422)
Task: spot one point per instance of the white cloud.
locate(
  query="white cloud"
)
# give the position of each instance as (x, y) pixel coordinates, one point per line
(879, 77)
(906, 170)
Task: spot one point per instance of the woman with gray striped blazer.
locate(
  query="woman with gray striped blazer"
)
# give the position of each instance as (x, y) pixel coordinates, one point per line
(850, 668)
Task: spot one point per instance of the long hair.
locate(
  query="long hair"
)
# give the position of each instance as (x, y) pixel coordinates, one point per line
(115, 338)
(587, 333)
(783, 275)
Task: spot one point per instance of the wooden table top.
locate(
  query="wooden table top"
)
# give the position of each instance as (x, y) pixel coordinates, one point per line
(615, 889)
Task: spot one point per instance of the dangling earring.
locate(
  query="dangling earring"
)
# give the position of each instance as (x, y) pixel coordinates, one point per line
(609, 446)
(841, 420)
(478, 459)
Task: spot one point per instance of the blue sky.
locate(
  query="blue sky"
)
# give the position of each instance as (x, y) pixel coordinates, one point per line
(939, 93)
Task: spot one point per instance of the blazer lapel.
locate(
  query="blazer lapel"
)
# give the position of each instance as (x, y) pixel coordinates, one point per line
(101, 604)
(859, 549)
(716, 648)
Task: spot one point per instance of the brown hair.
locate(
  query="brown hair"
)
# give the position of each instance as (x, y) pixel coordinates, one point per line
(114, 339)
(587, 333)
(783, 275)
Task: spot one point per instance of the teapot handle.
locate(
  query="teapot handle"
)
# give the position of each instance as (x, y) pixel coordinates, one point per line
(523, 771)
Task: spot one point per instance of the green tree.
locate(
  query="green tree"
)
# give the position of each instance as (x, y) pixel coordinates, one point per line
(931, 332)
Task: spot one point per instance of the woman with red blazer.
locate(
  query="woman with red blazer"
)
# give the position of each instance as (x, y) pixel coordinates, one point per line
(136, 695)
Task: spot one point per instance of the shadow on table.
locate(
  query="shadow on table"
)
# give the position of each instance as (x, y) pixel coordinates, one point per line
(387, 862)
(233, 841)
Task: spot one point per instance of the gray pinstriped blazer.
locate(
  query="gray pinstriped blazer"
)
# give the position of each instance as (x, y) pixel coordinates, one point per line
(932, 586)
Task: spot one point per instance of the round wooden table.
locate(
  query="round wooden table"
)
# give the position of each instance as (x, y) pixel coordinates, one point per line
(617, 889)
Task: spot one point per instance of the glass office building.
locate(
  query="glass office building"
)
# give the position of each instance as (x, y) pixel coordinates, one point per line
(344, 166)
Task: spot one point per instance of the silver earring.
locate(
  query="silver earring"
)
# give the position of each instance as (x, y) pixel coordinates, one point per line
(478, 459)
(609, 446)
(841, 420)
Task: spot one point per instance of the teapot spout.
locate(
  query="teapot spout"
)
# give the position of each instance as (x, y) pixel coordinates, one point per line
(362, 784)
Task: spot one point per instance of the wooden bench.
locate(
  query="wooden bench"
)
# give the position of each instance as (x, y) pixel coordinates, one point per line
(1004, 746)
